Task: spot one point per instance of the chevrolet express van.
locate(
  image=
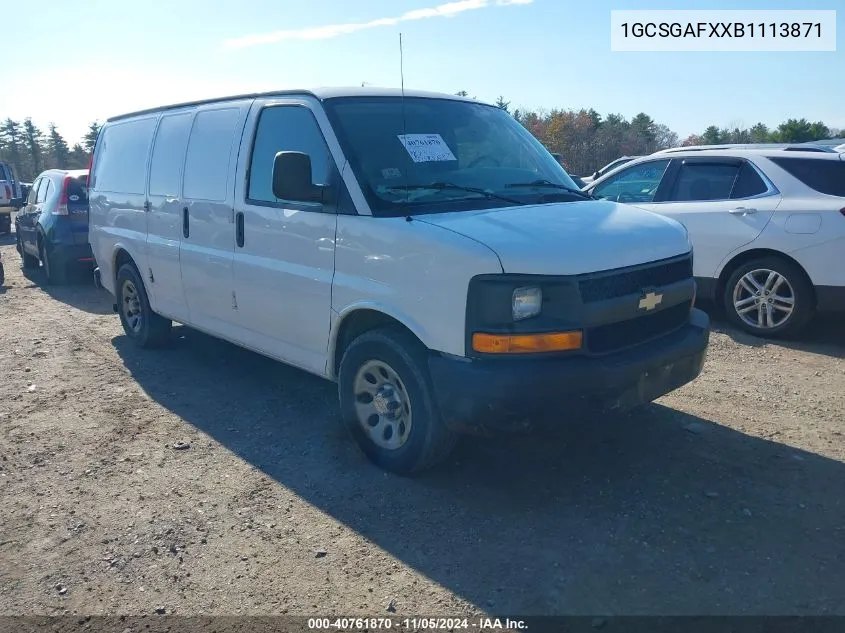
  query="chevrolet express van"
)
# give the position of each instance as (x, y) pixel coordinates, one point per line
(423, 251)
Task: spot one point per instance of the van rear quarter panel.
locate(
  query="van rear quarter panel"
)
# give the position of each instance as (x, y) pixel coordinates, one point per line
(117, 194)
(413, 271)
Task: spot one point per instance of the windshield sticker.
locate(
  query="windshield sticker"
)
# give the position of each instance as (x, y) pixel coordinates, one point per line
(426, 148)
(391, 172)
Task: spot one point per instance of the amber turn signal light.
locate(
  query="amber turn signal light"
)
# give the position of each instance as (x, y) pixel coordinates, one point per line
(526, 343)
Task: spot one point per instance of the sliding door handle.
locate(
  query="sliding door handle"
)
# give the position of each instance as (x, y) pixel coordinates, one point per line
(186, 223)
(239, 229)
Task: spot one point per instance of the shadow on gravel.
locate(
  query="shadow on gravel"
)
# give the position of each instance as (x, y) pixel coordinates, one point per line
(77, 291)
(656, 513)
(825, 334)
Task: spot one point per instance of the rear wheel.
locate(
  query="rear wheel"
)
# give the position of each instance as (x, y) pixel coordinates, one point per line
(387, 403)
(141, 324)
(54, 269)
(769, 297)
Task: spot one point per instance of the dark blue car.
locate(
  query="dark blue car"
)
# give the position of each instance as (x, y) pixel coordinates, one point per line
(52, 225)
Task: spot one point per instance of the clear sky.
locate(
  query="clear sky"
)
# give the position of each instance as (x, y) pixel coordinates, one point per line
(72, 63)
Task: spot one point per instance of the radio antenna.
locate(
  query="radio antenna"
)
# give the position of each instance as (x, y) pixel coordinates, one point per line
(401, 65)
(402, 88)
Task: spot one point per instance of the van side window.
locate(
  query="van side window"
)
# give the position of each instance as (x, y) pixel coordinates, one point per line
(209, 154)
(169, 154)
(127, 172)
(285, 129)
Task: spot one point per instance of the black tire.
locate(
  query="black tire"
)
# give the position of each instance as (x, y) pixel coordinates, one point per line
(2, 274)
(146, 328)
(54, 270)
(5, 223)
(795, 287)
(27, 261)
(427, 442)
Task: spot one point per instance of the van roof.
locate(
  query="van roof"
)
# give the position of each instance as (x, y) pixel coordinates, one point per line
(318, 93)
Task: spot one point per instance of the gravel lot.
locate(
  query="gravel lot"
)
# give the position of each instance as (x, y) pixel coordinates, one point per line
(725, 497)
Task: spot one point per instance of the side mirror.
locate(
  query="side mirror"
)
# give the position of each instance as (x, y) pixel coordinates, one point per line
(595, 175)
(292, 178)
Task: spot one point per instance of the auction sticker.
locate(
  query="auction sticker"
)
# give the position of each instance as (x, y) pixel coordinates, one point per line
(426, 148)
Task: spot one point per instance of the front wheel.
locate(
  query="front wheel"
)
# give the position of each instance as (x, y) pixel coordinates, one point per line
(388, 405)
(769, 297)
(27, 261)
(141, 324)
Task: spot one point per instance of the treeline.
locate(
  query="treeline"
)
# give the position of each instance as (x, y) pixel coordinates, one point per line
(586, 139)
(790, 131)
(589, 141)
(32, 150)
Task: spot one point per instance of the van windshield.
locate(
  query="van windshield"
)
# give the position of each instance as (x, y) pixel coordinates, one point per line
(475, 156)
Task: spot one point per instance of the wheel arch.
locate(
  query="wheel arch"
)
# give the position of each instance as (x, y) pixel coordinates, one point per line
(757, 253)
(355, 321)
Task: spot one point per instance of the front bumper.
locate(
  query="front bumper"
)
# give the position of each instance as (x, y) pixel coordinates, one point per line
(517, 394)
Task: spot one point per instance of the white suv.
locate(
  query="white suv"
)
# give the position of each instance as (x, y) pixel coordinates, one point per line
(767, 226)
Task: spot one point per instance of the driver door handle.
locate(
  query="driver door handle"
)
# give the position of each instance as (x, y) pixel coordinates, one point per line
(742, 211)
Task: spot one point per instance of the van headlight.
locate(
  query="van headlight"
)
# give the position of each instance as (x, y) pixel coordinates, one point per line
(527, 302)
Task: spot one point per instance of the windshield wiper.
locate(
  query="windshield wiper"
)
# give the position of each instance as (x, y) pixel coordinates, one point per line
(549, 183)
(441, 186)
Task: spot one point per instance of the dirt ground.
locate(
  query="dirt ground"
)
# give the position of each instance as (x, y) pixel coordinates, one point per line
(725, 497)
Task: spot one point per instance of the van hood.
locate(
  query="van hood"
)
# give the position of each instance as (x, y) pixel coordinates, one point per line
(568, 238)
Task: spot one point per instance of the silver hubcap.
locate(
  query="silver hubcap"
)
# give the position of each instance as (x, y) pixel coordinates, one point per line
(764, 299)
(131, 306)
(382, 405)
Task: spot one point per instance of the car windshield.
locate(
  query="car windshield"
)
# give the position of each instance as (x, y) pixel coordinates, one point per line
(474, 156)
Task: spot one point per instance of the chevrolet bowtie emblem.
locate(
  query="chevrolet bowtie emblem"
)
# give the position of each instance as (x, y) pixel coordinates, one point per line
(650, 301)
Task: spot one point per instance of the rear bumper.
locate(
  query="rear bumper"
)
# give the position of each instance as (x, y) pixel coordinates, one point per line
(72, 253)
(512, 395)
(830, 298)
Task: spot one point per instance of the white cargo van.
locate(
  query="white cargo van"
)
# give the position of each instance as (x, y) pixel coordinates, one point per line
(424, 251)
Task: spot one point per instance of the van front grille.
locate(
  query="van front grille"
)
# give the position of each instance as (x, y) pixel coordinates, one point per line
(608, 338)
(618, 284)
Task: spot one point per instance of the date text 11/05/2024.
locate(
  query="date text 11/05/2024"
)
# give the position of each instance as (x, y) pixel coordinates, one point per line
(417, 624)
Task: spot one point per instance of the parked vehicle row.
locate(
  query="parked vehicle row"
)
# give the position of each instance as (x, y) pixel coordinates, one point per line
(423, 251)
(427, 254)
(767, 226)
